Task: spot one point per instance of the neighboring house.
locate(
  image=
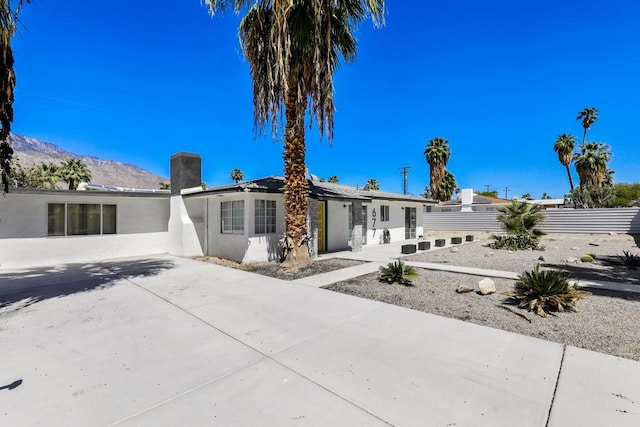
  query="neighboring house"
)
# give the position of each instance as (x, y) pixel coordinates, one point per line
(242, 222)
(478, 204)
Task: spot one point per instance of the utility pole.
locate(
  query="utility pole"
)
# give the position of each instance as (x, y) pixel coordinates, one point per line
(488, 187)
(506, 192)
(405, 173)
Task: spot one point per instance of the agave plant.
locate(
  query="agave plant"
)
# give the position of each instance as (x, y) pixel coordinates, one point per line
(630, 260)
(398, 272)
(545, 290)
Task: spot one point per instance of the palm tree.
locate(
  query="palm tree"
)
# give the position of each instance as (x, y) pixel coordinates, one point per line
(521, 218)
(588, 117)
(527, 196)
(592, 163)
(372, 184)
(237, 175)
(47, 173)
(293, 49)
(437, 153)
(448, 186)
(73, 171)
(8, 19)
(564, 147)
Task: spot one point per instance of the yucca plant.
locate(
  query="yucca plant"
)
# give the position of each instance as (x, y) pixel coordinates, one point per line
(398, 272)
(545, 290)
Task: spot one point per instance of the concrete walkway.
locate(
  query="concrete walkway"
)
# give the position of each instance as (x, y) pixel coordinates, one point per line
(167, 341)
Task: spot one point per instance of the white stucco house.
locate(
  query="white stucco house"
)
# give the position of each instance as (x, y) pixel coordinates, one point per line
(241, 222)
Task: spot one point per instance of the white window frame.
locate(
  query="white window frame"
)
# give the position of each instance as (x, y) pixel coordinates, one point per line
(232, 217)
(384, 213)
(264, 216)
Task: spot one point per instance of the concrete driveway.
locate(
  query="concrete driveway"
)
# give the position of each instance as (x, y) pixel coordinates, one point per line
(169, 341)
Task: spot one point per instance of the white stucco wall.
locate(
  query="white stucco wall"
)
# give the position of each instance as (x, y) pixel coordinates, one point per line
(142, 229)
(395, 225)
(249, 246)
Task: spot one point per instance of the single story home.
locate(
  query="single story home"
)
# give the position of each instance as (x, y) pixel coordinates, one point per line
(242, 222)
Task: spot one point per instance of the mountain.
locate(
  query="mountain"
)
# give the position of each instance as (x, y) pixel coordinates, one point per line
(29, 151)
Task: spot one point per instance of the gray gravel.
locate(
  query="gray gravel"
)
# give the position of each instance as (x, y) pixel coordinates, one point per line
(559, 249)
(607, 322)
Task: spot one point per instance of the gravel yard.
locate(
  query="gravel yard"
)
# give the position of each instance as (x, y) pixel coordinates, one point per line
(274, 269)
(562, 252)
(607, 322)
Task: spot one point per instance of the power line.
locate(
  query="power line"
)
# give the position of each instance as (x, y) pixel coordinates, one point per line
(405, 173)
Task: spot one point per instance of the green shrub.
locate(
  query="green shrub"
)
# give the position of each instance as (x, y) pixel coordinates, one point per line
(516, 242)
(544, 291)
(630, 260)
(398, 272)
(587, 258)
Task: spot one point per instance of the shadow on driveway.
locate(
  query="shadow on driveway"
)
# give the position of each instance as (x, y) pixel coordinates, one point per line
(22, 288)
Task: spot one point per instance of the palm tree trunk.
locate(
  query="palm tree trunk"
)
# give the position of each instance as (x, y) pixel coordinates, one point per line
(295, 182)
(570, 178)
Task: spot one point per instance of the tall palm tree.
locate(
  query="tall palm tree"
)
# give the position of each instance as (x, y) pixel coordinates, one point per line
(588, 117)
(372, 184)
(564, 147)
(592, 163)
(448, 186)
(437, 153)
(237, 175)
(293, 48)
(73, 171)
(8, 20)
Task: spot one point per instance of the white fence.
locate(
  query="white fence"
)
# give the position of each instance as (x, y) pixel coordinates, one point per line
(596, 221)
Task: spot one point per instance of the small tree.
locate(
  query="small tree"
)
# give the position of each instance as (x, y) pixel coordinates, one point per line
(372, 184)
(333, 179)
(527, 196)
(165, 186)
(237, 175)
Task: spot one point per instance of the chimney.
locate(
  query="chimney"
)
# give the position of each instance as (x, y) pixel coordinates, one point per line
(186, 172)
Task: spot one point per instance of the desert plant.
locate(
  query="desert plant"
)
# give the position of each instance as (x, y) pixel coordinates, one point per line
(630, 260)
(543, 291)
(398, 272)
(519, 220)
(516, 242)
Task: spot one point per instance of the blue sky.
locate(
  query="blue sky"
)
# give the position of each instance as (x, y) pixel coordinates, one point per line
(137, 81)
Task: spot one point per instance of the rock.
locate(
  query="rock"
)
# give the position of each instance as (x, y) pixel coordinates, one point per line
(488, 254)
(593, 244)
(571, 260)
(509, 252)
(575, 248)
(463, 289)
(611, 233)
(486, 286)
(555, 248)
(540, 258)
(454, 249)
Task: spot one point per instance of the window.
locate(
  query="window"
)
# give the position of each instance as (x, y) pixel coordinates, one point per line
(232, 217)
(76, 219)
(384, 213)
(265, 216)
